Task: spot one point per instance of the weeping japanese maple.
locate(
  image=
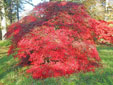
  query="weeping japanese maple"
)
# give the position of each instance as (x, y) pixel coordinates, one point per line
(55, 39)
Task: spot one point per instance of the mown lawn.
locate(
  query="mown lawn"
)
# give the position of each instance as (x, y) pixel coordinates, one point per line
(10, 74)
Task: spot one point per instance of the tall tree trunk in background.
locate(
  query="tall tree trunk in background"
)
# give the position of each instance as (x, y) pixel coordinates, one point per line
(106, 8)
(17, 9)
(3, 23)
(0, 34)
(107, 1)
(10, 15)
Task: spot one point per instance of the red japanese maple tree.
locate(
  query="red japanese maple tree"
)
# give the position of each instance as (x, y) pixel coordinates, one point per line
(56, 39)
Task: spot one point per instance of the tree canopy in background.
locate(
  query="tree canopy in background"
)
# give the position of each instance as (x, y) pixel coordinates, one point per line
(95, 8)
(9, 13)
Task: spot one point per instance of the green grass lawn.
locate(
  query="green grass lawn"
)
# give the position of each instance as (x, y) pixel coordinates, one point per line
(10, 74)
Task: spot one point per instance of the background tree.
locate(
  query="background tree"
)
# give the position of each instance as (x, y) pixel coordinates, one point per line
(14, 7)
(3, 19)
(109, 10)
(9, 13)
(95, 8)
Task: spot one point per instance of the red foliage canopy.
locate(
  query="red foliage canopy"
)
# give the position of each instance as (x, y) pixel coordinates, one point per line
(56, 39)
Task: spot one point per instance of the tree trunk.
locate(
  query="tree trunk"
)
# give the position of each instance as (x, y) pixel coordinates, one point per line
(10, 15)
(0, 34)
(17, 9)
(3, 23)
(106, 8)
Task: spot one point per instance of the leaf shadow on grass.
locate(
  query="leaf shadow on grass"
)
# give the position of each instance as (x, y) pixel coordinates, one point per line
(101, 77)
(7, 65)
(3, 53)
(101, 48)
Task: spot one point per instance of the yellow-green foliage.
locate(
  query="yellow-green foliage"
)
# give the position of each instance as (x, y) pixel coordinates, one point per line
(95, 9)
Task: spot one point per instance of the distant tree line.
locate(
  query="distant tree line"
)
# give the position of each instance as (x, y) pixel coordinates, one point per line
(9, 13)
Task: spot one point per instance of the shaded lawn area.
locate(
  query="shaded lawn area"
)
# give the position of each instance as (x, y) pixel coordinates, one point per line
(10, 74)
